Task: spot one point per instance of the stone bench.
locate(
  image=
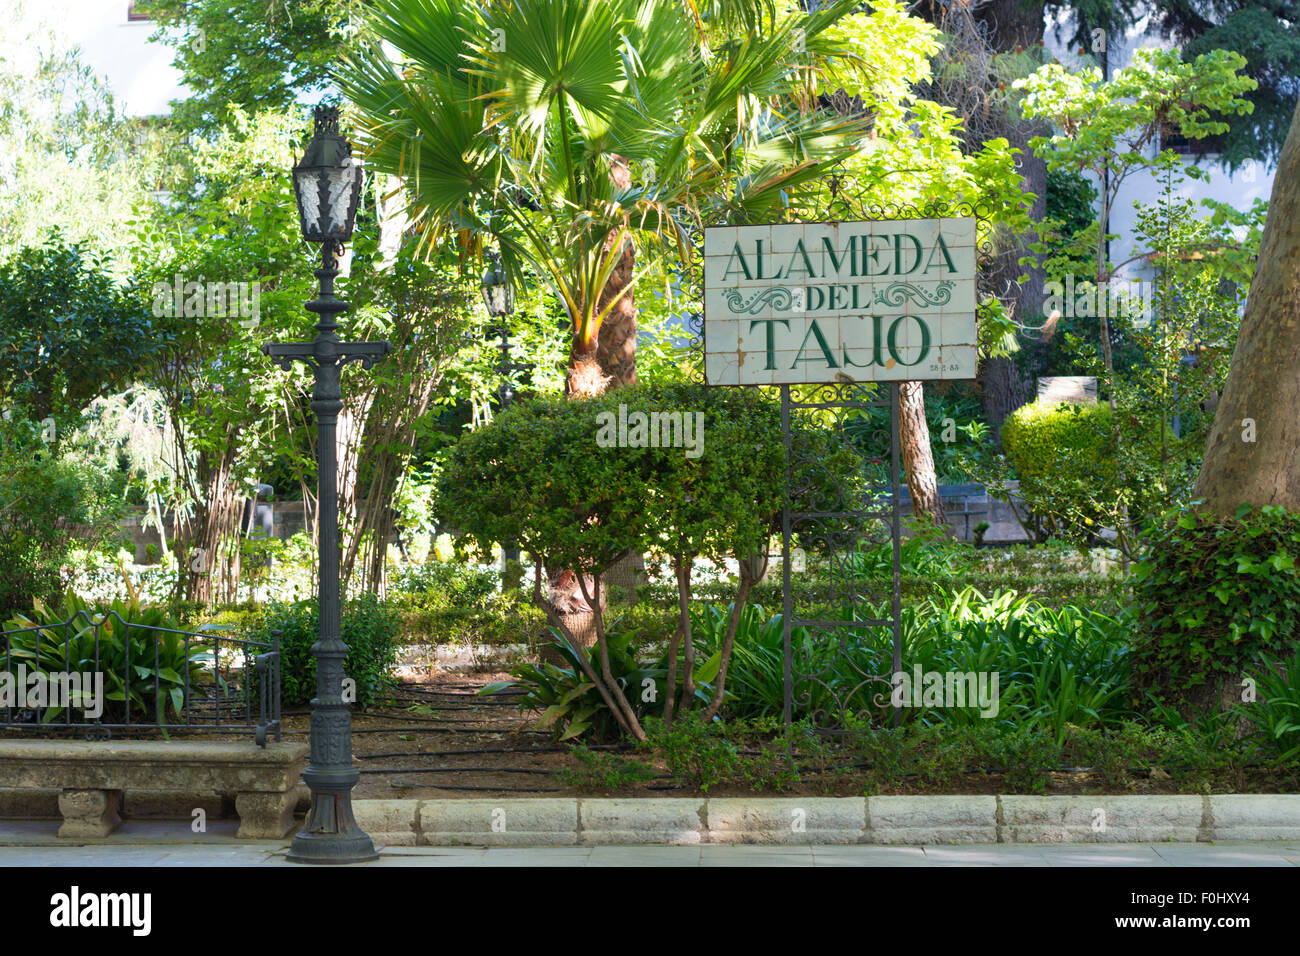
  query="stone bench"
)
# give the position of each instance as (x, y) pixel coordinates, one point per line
(93, 774)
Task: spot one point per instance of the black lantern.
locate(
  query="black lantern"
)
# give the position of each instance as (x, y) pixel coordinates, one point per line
(498, 293)
(327, 182)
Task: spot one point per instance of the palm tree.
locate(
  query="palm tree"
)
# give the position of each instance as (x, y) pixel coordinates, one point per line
(579, 133)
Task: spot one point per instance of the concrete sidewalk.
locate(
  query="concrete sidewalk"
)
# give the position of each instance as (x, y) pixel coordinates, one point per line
(220, 851)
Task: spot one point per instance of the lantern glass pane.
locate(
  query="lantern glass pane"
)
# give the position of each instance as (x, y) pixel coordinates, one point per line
(342, 180)
(494, 298)
(308, 189)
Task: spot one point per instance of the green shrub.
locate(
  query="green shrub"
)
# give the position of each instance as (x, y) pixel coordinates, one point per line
(368, 627)
(699, 753)
(1052, 441)
(1210, 596)
(1274, 714)
(146, 669)
(49, 505)
(604, 771)
(444, 584)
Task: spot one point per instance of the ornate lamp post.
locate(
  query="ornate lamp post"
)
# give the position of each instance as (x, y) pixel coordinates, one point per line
(327, 184)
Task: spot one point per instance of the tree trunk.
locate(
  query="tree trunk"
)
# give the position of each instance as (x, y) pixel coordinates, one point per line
(1253, 453)
(213, 544)
(616, 344)
(609, 362)
(918, 461)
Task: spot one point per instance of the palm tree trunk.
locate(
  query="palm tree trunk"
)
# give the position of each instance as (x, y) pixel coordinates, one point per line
(616, 344)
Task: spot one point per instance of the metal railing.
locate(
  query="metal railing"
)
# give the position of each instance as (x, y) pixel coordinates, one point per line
(102, 673)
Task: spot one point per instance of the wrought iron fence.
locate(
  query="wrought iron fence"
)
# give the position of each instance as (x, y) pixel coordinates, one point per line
(102, 673)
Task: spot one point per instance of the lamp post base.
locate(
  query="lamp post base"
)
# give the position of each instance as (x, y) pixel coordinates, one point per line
(331, 834)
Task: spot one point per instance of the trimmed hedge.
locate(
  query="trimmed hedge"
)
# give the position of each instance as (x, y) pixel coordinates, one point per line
(1056, 440)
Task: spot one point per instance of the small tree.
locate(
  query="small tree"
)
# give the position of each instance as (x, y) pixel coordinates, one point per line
(536, 475)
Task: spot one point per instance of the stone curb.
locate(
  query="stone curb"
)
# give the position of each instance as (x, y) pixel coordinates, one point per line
(910, 820)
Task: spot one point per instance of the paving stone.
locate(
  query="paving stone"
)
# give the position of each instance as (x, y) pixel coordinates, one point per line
(1101, 819)
(786, 820)
(515, 823)
(929, 820)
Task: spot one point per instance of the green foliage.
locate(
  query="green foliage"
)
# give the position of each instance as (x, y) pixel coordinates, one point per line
(1056, 668)
(700, 754)
(1275, 713)
(248, 53)
(509, 618)
(368, 627)
(755, 675)
(48, 507)
(1070, 199)
(1264, 35)
(445, 584)
(73, 161)
(1050, 441)
(146, 669)
(1209, 596)
(711, 124)
(547, 473)
(604, 771)
(68, 331)
(570, 702)
(955, 419)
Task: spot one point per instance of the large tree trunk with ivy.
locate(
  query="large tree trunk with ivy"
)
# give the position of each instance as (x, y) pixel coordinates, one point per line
(1253, 453)
(918, 460)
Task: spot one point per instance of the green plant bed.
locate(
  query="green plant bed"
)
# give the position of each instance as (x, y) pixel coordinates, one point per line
(762, 757)
(368, 626)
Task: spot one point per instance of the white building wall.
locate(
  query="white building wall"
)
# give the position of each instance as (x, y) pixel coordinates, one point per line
(138, 71)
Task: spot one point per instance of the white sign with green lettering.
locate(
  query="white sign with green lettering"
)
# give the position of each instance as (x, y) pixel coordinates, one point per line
(884, 300)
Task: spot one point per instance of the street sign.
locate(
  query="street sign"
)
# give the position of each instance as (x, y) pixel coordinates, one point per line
(873, 301)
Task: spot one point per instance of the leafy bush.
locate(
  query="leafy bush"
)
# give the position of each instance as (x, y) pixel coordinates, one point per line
(444, 584)
(571, 704)
(1051, 441)
(602, 771)
(146, 669)
(368, 627)
(1275, 713)
(548, 474)
(68, 332)
(48, 506)
(1210, 596)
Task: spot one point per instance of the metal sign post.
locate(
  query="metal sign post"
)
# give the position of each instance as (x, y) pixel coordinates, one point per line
(828, 312)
